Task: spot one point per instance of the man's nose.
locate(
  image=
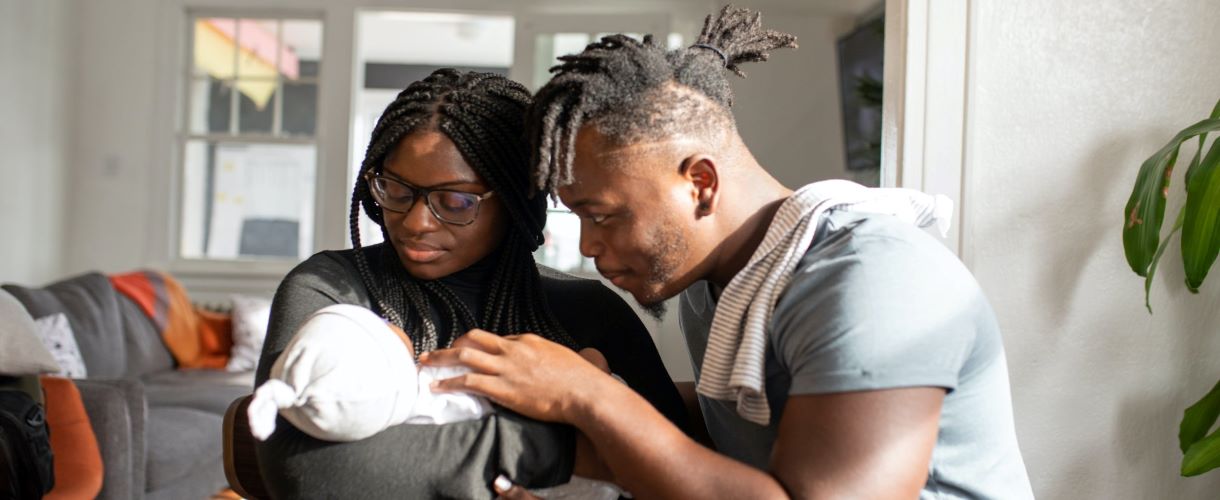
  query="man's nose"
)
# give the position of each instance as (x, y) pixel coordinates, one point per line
(591, 245)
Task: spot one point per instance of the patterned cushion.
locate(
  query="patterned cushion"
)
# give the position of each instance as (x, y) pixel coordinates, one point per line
(22, 354)
(56, 335)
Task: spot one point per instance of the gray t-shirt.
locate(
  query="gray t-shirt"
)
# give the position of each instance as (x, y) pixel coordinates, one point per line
(876, 303)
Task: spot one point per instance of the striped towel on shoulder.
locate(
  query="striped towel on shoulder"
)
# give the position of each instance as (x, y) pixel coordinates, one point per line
(733, 364)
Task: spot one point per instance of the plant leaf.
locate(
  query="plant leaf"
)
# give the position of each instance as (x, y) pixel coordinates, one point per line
(1145, 210)
(1199, 418)
(1201, 228)
(1157, 258)
(1194, 162)
(1202, 456)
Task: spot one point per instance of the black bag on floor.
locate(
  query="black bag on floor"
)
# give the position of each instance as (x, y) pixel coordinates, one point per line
(25, 448)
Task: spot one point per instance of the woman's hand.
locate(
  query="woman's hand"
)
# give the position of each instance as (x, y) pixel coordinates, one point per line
(506, 490)
(525, 373)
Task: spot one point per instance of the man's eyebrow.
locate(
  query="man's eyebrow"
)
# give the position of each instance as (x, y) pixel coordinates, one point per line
(582, 203)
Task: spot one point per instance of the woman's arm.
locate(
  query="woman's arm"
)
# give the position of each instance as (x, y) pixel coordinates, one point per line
(458, 460)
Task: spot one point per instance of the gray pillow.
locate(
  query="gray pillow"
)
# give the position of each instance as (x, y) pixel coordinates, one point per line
(91, 306)
(23, 353)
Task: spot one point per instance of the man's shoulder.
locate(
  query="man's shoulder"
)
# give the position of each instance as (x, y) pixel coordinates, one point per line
(872, 275)
(879, 252)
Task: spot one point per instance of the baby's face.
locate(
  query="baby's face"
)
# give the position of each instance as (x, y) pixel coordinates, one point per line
(402, 336)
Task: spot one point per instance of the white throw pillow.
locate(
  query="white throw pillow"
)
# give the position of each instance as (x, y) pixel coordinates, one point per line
(56, 335)
(250, 317)
(22, 352)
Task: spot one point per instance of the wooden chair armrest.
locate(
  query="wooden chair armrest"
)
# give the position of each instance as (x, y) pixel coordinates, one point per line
(240, 457)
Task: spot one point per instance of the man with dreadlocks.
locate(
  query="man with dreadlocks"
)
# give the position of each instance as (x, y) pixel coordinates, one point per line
(446, 177)
(839, 350)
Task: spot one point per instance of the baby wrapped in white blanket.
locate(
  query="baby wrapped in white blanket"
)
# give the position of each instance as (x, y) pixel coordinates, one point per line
(347, 374)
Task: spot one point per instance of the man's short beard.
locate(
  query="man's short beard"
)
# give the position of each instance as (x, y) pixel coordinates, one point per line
(656, 309)
(664, 259)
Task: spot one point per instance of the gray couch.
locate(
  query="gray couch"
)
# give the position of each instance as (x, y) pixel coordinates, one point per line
(158, 428)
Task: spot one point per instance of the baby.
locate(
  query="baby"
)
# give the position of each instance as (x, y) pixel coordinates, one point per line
(347, 374)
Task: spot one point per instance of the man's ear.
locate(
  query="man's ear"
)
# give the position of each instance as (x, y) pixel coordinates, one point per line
(703, 175)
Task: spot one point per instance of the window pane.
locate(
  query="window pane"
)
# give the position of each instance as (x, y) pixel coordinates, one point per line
(637, 36)
(674, 41)
(300, 108)
(258, 41)
(210, 105)
(302, 43)
(213, 46)
(561, 250)
(549, 46)
(248, 200)
(256, 107)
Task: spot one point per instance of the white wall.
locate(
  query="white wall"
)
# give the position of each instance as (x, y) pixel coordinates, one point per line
(788, 109)
(1067, 99)
(35, 42)
(114, 125)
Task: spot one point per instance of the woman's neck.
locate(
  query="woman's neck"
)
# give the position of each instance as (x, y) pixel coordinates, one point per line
(472, 284)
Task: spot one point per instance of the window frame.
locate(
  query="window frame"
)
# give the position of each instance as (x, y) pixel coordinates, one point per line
(185, 135)
(216, 278)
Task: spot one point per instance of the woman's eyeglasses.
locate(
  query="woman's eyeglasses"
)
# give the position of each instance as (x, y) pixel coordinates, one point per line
(452, 207)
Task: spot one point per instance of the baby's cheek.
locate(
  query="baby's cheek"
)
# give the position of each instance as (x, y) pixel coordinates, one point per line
(403, 337)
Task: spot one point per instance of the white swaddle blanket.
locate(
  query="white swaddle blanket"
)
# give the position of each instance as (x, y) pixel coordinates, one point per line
(346, 376)
(734, 362)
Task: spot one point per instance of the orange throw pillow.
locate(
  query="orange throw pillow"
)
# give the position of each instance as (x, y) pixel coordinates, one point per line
(78, 463)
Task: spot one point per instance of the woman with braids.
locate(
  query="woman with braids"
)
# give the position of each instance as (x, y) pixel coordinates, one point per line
(446, 177)
(840, 351)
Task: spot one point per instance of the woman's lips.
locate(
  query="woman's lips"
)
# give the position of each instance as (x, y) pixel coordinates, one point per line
(422, 254)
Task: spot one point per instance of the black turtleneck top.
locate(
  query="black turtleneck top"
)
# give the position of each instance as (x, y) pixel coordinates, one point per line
(458, 460)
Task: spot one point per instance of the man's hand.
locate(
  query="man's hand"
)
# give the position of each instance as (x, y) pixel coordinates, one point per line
(525, 373)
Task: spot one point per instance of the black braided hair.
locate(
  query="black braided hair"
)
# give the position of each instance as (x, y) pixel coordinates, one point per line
(483, 114)
(632, 90)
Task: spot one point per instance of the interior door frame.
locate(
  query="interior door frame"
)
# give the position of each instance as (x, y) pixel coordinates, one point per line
(925, 106)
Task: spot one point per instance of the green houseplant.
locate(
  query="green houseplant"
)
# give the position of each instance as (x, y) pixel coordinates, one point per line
(1199, 223)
